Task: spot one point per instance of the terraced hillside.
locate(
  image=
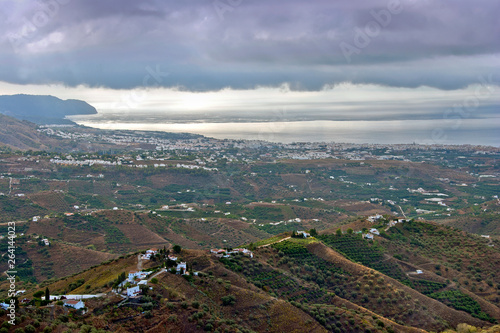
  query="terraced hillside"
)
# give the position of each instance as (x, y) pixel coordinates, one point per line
(291, 285)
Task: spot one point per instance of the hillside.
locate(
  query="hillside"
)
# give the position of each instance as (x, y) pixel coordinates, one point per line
(294, 285)
(21, 134)
(43, 109)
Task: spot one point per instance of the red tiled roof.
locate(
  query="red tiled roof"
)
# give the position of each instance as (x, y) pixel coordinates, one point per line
(71, 301)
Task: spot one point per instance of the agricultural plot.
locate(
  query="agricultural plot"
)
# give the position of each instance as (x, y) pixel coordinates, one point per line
(468, 256)
(14, 208)
(275, 282)
(336, 319)
(24, 265)
(460, 301)
(303, 258)
(427, 287)
(4, 185)
(292, 266)
(355, 248)
(33, 185)
(52, 201)
(97, 224)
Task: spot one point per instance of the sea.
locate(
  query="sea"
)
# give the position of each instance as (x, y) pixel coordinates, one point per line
(484, 132)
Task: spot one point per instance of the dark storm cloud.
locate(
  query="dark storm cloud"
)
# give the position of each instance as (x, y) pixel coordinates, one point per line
(209, 45)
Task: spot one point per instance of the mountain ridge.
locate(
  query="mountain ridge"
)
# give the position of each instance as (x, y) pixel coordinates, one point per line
(43, 109)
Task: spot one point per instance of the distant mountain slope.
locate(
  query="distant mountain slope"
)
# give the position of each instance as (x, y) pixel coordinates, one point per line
(21, 134)
(43, 109)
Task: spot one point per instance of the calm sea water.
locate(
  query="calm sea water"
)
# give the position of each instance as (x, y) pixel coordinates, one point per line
(466, 131)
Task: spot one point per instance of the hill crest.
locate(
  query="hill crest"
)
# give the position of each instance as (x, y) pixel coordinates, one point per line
(43, 109)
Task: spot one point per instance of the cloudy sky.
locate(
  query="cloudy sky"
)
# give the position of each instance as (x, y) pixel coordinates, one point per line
(334, 59)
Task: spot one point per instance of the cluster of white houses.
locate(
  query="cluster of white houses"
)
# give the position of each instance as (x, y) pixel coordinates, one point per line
(136, 279)
(373, 231)
(149, 253)
(222, 253)
(374, 218)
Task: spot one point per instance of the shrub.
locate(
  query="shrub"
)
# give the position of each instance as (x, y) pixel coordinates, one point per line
(147, 306)
(228, 300)
(39, 294)
(30, 329)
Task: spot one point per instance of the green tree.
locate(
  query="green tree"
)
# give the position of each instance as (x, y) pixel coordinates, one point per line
(177, 248)
(47, 294)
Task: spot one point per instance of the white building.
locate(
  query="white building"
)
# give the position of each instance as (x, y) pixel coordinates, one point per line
(303, 233)
(134, 291)
(75, 304)
(374, 231)
(181, 267)
(132, 276)
(246, 252)
(374, 218)
(149, 253)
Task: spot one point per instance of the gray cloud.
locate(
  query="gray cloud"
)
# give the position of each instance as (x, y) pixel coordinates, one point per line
(207, 45)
